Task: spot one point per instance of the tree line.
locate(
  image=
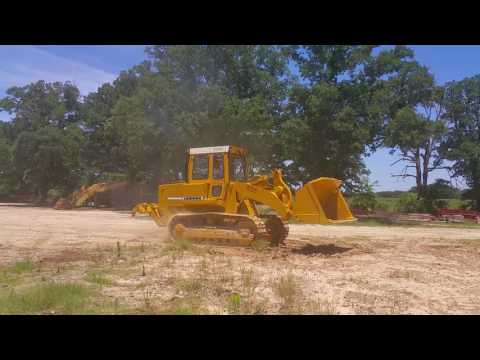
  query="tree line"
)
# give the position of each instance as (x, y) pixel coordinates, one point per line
(311, 110)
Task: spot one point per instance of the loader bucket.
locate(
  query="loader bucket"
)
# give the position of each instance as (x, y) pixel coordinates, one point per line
(321, 202)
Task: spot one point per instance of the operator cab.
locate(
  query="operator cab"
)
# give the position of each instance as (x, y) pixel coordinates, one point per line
(216, 166)
(217, 162)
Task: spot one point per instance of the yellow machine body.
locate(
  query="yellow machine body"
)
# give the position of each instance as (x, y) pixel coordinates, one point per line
(218, 180)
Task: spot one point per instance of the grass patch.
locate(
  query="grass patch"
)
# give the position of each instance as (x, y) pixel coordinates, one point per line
(289, 291)
(68, 298)
(236, 304)
(319, 307)
(184, 306)
(98, 278)
(249, 282)
(380, 222)
(193, 286)
(470, 242)
(21, 267)
(468, 224)
(178, 246)
(11, 274)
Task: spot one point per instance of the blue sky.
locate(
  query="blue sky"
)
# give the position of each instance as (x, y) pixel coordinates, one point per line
(89, 66)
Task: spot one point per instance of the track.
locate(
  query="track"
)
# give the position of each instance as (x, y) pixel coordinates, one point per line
(228, 229)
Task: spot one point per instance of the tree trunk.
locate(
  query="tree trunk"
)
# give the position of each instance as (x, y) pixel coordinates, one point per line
(476, 185)
(418, 176)
(476, 193)
(426, 163)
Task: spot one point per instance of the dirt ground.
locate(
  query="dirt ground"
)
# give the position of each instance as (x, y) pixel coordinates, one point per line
(322, 269)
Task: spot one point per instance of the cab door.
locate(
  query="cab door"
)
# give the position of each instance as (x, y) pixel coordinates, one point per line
(208, 169)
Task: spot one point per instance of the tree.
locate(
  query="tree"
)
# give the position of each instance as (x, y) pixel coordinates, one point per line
(204, 95)
(41, 104)
(43, 139)
(337, 110)
(462, 144)
(95, 116)
(416, 129)
(442, 189)
(48, 158)
(5, 159)
(418, 137)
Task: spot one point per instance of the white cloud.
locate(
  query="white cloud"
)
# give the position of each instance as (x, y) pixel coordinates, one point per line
(21, 65)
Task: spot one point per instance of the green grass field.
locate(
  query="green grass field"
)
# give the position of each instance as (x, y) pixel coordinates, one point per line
(390, 203)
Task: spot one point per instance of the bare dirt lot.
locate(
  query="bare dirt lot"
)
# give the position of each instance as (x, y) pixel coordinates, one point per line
(322, 269)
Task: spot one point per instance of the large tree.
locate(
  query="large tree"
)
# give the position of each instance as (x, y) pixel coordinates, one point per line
(48, 158)
(102, 143)
(462, 145)
(41, 104)
(5, 159)
(339, 107)
(191, 96)
(43, 137)
(416, 132)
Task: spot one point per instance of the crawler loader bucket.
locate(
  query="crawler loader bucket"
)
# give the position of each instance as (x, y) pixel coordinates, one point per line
(321, 202)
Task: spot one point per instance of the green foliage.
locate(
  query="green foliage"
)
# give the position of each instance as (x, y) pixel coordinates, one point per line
(48, 158)
(45, 138)
(339, 104)
(364, 198)
(415, 134)
(5, 163)
(41, 104)
(389, 194)
(442, 189)
(467, 205)
(462, 145)
(408, 202)
(386, 203)
(364, 201)
(337, 113)
(235, 303)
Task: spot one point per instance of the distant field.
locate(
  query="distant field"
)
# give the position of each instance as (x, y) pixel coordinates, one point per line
(390, 203)
(468, 224)
(387, 203)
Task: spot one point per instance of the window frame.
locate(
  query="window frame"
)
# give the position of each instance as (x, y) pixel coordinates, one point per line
(194, 160)
(222, 159)
(232, 168)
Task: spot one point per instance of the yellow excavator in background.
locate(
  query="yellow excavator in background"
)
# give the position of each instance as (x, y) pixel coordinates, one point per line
(218, 201)
(80, 197)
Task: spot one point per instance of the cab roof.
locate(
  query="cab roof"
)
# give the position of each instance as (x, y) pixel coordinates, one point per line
(216, 150)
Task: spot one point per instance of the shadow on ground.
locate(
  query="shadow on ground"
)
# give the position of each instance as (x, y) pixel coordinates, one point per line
(327, 249)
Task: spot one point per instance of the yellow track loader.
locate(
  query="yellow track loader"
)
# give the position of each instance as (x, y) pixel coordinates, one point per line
(218, 201)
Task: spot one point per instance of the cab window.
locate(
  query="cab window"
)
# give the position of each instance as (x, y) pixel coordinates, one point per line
(200, 167)
(218, 166)
(238, 168)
